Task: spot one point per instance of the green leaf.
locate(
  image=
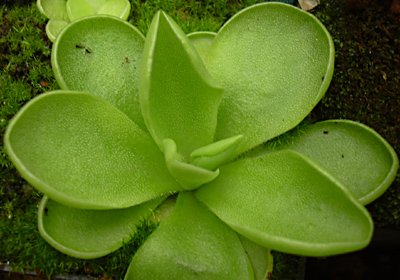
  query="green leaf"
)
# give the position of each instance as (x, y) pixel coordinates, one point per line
(118, 8)
(54, 27)
(191, 244)
(53, 9)
(202, 42)
(188, 175)
(351, 152)
(260, 258)
(100, 55)
(82, 8)
(214, 155)
(284, 202)
(82, 152)
(179, 100)
(275, 63)
(88, 234)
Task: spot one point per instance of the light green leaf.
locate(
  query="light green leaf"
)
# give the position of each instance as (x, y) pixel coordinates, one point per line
(88, 234)
(82, 8)
(179, 99)
(214, 155)
(100, 55)
(118, 8)
(284, 202)
(188, 175)
(260, 258)
(54, 27)
(275, 62)
(191, 244)
(202, 42)
(82, 152)
(351, 152)
(53, 9)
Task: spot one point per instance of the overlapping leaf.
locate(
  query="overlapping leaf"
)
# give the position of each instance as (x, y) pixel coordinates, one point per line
(81, 151)
(100, 55)
(88, 234)
(284, 202)
(275, 62)
(191, 244)
(353, 153)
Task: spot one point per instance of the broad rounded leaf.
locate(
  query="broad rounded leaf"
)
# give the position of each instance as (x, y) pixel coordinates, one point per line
(192, 243)
(82, 8)
(118, 8)
(275, 62)
(202, 42)
(54, 27)
(53, 9)
(81, 151)
(284, 202)
(88, 234)
(353, 153)
(100, 55)
(179, 100)
(260, 258)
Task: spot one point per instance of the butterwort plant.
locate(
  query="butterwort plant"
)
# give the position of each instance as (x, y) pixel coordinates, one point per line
(61, 12)
(140, 119)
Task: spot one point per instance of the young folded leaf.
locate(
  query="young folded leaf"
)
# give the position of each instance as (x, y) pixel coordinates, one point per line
(179, 99)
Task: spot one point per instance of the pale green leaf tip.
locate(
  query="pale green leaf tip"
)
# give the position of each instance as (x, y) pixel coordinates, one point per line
(216, 154)
(187, 175)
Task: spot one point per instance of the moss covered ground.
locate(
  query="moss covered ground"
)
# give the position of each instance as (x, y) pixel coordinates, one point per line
(365, 88)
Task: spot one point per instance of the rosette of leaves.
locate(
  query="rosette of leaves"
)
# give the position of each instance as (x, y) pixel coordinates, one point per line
(61, 12)
(139, 119)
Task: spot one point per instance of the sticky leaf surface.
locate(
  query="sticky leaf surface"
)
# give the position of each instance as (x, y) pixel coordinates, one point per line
(353, 153)
(191, 244)
(88, 234)
(100, 55)
(284, 202)
(81, 151)
(179, 100)
(275, 62)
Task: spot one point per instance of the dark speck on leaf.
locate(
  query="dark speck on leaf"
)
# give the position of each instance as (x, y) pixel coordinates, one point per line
(325, 131)
(46, 210)
(342, 155)
(80, 46)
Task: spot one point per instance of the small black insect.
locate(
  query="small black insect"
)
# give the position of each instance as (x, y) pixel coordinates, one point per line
(46, 210)
(80, 46)
(325, 132)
